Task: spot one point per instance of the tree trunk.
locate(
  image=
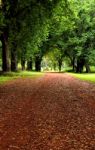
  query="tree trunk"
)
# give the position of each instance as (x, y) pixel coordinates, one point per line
(5, 52)
(38, 63)
(23, 63)
(87, 68)
(73, 63)
(80, 64)
(59, 65)
(54, 67)
(29, 65)
(14, 58)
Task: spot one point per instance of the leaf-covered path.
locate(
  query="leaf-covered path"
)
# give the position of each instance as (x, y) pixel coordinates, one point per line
(54, 112)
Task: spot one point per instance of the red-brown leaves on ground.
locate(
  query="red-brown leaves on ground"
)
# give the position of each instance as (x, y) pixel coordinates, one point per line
(55, 112)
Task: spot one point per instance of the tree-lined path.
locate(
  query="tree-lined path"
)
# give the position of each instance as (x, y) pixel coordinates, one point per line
(54, 112)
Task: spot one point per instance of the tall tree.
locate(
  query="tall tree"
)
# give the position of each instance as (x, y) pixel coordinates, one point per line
(4, 34)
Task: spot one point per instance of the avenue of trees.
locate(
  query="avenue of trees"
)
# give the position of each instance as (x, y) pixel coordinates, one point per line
(31, 29)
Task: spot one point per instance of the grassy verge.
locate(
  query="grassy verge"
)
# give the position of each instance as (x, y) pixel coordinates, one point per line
(22, 74)
(84, 76)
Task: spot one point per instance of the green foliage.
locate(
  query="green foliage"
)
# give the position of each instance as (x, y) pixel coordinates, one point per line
(54, 56)
(35, 27)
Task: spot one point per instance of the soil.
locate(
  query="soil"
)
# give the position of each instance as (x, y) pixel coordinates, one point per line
(54, 112)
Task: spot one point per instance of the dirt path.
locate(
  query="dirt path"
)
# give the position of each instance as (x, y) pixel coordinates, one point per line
(55, 112)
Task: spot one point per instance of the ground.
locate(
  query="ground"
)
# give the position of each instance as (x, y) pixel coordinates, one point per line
(53, 112)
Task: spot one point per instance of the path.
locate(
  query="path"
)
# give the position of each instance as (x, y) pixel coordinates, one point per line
(55, 112)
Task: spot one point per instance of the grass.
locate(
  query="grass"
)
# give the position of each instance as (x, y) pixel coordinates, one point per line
(85, 76)
(29, 74)
(21, 74)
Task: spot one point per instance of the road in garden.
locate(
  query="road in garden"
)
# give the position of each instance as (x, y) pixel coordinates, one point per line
(54, 112)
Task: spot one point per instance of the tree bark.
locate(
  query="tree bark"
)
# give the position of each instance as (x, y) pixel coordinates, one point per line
(23, 63)
(14, 58)
(5, 52)
(73, 64)
(29, 65)
(54, 67)
(59, 65)
(80, 65)
(87, 68)
(38, 63)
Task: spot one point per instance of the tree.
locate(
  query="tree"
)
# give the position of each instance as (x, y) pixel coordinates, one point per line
(22, 17)
(27, 26)
(4, 33)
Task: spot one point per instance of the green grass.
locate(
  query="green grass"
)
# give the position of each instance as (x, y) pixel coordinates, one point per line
(22, 74)
(84, 76)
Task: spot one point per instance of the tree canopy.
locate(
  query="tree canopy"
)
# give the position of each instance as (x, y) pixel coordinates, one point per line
(30, 29)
